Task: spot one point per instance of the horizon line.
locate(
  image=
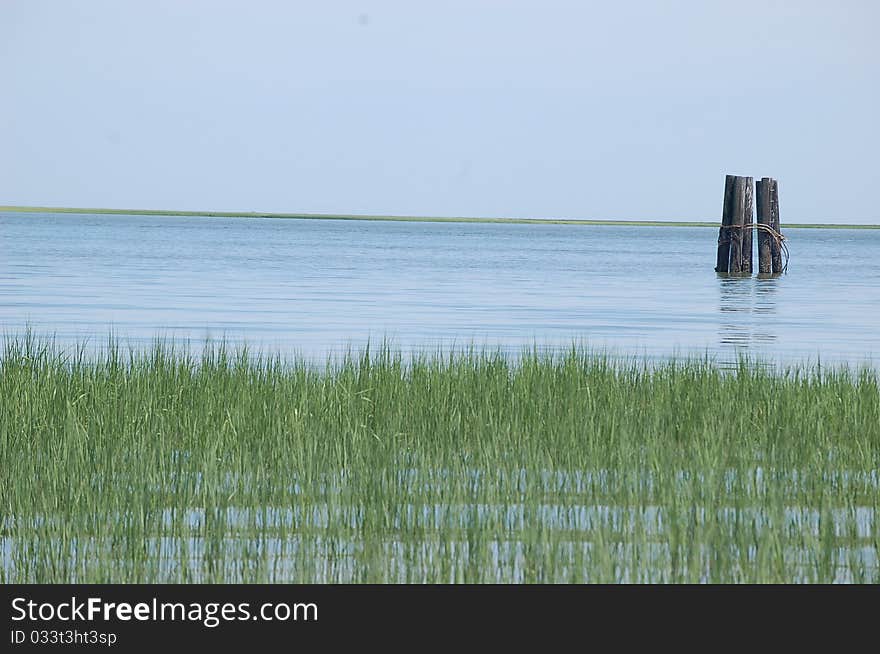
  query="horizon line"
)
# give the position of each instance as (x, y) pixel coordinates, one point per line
(403, 218)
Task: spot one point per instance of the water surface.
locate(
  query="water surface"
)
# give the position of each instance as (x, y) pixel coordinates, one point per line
(314, 287)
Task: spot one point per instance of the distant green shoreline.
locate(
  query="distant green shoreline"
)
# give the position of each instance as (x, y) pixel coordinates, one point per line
(419, 219)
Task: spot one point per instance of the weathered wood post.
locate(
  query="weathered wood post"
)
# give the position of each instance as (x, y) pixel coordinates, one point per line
(765, 241)
(776, 246)
(735, 238)
(748, 221)
(723, 262)
(736, 224)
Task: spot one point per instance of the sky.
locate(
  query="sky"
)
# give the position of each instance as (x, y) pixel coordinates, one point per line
(543, 109)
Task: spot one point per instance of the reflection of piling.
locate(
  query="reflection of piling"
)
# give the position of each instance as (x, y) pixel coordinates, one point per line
(735, 240)
(747, 316)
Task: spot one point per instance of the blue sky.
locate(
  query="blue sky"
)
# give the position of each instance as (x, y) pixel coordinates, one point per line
(623, 110)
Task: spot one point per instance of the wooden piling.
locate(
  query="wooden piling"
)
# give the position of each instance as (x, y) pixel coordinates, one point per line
(736, 225)
(723, 261)
(775, 248)
(764, 239)
(748, 220)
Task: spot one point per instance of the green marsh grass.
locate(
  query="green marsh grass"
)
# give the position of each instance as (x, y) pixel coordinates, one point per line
(164, 466)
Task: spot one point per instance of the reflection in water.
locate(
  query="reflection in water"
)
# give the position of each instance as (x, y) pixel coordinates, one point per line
(748, 306)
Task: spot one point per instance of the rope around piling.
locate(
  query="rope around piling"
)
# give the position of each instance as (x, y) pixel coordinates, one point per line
(778, 237)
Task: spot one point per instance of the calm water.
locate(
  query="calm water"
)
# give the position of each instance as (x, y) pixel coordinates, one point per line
(317, 286)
